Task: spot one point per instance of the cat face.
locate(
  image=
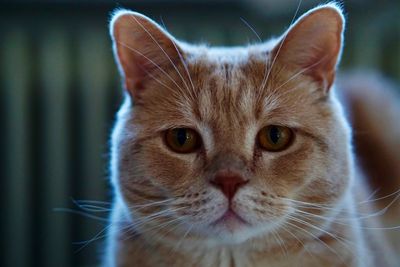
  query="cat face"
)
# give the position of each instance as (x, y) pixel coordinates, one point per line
(226, 143)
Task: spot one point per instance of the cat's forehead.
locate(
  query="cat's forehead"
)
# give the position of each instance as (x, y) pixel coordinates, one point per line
(235, 55)
(230, 86)
(228, 68)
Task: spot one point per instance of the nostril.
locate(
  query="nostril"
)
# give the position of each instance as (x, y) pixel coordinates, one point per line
(228, 183)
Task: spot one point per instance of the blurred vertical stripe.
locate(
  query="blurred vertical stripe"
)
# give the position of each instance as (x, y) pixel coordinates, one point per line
(55, 81)
(15, 60)
(94, 83)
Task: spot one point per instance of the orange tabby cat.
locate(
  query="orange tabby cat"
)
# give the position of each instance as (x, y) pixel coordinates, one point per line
(237, 156)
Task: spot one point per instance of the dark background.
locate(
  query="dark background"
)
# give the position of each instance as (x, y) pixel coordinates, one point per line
(59, 90)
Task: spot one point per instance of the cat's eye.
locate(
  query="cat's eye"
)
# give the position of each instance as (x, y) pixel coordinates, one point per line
(182, 140)
(275, 138)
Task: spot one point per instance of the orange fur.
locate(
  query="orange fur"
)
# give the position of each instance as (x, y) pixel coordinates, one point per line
(299, 206)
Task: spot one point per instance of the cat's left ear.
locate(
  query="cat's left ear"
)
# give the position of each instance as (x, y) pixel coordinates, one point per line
(143, 50)
(313, 45)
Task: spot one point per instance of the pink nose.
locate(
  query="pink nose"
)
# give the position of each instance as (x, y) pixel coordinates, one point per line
(228, 182)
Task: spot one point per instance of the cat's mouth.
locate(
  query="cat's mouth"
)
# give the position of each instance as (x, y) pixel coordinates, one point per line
(230, 220)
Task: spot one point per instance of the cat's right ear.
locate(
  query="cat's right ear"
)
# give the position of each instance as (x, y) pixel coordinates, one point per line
(313, 45)
(142, 49)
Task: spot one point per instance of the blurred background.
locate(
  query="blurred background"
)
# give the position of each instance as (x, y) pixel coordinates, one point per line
(59, 90)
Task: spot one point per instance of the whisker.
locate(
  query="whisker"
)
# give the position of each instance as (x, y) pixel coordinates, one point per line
(349, 245)
(311, 205)
(93, 208)
(155, 203)
(161, 226)
(96, 237)
(80, 201)
(336, 237)
(153, 216)
(340, 221)
(251, 28)
(82, 214)
(90, 207)
(368, 200)
(353, 216)
(280, 242)
(372, 194)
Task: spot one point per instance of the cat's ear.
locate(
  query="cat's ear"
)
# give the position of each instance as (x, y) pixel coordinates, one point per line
(142, 49)
(313, 44)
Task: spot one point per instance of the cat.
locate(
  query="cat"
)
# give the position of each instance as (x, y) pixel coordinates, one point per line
(237, 156)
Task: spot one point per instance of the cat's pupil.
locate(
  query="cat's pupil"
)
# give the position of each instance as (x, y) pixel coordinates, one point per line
(274, 134)
(181, 136)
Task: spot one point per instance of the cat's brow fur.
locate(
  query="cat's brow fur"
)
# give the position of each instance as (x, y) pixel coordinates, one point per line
(300, 204)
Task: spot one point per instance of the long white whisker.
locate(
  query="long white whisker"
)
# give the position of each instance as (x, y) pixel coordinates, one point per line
(280, 242)
(94, 238)
(252, 29)
(152, 218)
(342, 219)
(161, 226)
(82, 214)
(358, 216)
(372, 194)
(93, 208)
(368, 200)
(156, 215)
(336, 237)
(92, 202)
(155, 203)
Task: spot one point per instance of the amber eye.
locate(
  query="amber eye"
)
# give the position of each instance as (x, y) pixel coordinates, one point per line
(182, 140)
(275, 138)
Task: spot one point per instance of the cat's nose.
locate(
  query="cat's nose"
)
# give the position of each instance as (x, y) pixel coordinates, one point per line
(228, 182)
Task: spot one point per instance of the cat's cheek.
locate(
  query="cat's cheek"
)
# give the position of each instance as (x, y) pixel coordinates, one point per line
(170, 172)
(286, 172)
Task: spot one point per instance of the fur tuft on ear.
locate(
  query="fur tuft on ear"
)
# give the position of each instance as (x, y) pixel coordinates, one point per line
(313, 44)
(142, 49)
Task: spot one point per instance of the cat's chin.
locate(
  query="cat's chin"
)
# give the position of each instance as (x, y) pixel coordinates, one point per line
(234, 233)
(231, 228)
(231, 233)
(230, 223)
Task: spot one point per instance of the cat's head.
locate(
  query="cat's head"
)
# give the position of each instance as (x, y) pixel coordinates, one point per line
(228, 143)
